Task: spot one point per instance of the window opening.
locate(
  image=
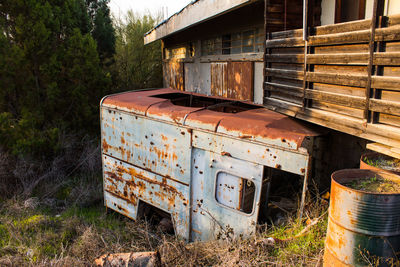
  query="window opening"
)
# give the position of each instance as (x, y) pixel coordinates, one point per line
(248, 41)
(235, 192)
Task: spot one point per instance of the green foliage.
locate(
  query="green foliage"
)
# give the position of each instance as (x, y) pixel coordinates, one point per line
(136, 65)
(51, 77)
(102, 29)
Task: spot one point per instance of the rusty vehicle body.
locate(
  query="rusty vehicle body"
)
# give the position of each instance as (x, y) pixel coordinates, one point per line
(205, 161)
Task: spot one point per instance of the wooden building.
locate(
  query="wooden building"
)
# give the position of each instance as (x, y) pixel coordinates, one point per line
(335, 63)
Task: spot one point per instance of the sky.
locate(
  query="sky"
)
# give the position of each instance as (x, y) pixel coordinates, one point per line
(120, 7)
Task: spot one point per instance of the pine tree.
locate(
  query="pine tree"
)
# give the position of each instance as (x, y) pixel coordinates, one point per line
(51, 79)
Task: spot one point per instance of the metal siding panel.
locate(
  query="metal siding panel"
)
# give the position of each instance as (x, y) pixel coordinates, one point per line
(120, 205)
(128, 184)
(160, 147)
(258, 82)
(192, 77)
(279, 158)
(240, 80)
(205, 79)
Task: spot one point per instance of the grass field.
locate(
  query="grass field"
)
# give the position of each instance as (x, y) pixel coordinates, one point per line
(57, 233)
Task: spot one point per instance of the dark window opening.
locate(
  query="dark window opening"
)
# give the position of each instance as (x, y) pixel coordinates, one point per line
(349, 10)
(235, 192)
(226, 44)
(248, 41)
(215, 104)
(157, 218)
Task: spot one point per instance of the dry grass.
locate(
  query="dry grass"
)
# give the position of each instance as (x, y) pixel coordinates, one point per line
(305, 250)
(60, 220)
(76, 236)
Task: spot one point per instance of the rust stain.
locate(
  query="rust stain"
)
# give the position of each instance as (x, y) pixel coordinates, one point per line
(122, 140)
(255, 122)
(134, 174)
(224, 153)
(268, 124)
(105, 145)
(135, 101)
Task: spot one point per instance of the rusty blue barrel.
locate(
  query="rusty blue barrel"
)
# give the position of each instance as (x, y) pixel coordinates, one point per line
(363, 227)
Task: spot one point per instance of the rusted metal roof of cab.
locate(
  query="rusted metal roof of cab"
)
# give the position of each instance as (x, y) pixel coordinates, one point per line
(194, 13)
(254, 122)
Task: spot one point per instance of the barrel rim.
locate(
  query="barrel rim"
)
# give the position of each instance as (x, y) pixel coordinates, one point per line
(374, 155)
(337, 174)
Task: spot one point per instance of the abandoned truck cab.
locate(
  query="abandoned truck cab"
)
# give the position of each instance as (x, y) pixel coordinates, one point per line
(205, 161)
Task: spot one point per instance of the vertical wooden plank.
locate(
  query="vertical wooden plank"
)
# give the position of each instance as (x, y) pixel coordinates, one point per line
(307, 28)
(174, 75)
(219, 79)
(240, 80)
(266, 51)
(165, 67)
(377, 12)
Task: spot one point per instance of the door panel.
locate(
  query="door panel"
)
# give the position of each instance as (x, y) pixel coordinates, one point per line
(225, 196)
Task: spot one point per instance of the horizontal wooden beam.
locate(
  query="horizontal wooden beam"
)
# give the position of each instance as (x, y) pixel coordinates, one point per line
(387, 59)
(384, 149)
(334, 98)
(287, 34)
(387, 34)
(385, 106)
(288, 74)
(394, 20)
(362, 36)
(338, 99)
(288, 89)
(338, 59)
(374, 132)
(285, 58)
(361, 59)
(340, 38)
(285, 42)
(337, 78)
(343, 27)
(385, 82)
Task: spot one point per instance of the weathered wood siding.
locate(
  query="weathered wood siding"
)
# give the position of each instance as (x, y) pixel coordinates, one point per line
(326, 80)
(232, 80)
(173, 73)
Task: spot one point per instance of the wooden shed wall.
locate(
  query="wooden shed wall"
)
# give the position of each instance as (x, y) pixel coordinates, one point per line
(326, 80)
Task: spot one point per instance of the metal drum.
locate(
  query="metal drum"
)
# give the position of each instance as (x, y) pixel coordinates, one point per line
(374, 156)
(363, 227)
